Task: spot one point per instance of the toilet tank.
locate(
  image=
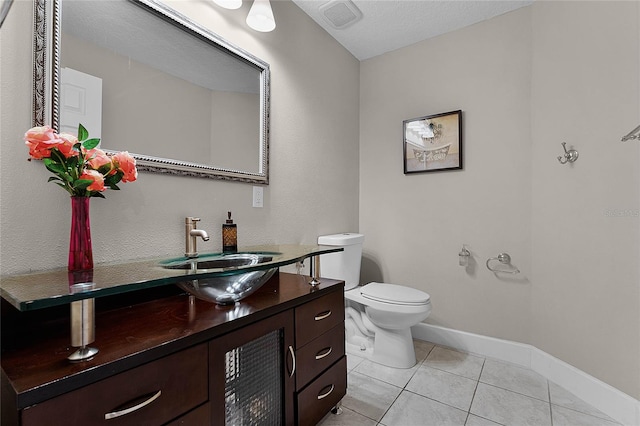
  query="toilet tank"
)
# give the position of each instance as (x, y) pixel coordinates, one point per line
(344, 265)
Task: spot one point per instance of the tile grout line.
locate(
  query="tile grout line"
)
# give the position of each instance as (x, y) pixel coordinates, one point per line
(389, 407)
(364, 415)
(434, 400)
(550, 408)
(601, 416)
(404, 388)
(405, 385)
(515, 391)
(423, 362)
(518, 393)
(468, 411)
(378, 422)
(610, 420)
(478, 381)
(476, 389)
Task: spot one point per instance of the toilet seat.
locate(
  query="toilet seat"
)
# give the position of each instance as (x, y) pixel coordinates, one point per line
(396, 294)
(406, 301)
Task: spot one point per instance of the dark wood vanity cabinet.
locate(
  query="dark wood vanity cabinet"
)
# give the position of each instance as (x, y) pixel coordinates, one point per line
(277, 357)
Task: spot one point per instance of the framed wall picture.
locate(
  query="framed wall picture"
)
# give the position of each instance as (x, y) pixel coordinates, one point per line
(433, 143)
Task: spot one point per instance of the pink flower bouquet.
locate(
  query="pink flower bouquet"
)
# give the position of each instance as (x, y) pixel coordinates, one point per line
(81, 169)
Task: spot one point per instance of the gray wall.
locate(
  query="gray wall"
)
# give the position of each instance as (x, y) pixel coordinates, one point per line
(585, 223)
(526, 81)
(314, 156)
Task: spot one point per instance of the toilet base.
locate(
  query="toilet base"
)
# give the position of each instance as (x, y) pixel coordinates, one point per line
(390, 347)
(394, 348)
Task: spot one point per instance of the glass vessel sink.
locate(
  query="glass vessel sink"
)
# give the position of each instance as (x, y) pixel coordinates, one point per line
(229, 289)
(225, 289)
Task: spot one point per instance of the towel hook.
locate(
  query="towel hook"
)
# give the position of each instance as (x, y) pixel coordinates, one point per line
(569, 156)
(634, 134)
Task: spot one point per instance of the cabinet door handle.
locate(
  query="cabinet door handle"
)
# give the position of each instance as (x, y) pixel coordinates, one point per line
(293, 361)
(322, 315)
(326, 394)
(114, 414)
(322, 354)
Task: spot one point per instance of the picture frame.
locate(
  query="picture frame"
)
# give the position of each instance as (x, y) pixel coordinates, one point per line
(432, 143)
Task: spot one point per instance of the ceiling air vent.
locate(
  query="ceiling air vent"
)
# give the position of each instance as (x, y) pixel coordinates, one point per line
(340, 13)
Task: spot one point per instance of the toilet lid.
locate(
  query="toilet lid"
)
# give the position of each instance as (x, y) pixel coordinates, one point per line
(391, 293)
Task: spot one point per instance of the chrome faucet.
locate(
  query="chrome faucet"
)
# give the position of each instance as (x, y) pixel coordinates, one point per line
(191, 236)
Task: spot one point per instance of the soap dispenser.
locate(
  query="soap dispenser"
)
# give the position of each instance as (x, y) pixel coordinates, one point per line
(229, 236)
(463, 257)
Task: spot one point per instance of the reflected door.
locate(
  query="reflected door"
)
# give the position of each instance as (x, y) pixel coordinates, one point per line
(80, 102)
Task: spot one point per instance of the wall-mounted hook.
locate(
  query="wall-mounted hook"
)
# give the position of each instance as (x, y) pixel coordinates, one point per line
(569, 156)
(634, 134)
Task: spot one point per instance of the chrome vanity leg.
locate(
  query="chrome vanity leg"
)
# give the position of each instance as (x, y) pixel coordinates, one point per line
(83, 328)
(315, 273)
(337, 409)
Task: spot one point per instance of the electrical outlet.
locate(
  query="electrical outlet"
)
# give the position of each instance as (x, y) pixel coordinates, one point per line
(258, 196)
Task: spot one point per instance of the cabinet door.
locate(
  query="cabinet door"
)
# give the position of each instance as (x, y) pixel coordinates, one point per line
(251, 374)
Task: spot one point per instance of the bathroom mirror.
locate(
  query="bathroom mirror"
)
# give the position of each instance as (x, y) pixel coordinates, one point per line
(147, 79)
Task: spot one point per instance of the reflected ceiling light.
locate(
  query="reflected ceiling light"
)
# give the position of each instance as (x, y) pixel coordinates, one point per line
(229, 4)
(260, 16)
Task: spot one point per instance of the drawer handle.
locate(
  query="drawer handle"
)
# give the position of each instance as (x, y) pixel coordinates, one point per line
(326, 352)
(114, 414)
(293, 361)
(322, 315)
(326, 394)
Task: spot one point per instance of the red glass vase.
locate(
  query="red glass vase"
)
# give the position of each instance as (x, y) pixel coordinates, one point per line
(80, 253)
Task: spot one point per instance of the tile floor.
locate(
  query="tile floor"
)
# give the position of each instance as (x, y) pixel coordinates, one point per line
(448, 387)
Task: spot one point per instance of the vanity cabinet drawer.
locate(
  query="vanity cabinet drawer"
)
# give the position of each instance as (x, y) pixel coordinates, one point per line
(317, 399)
(318, 317)
(197, 417)
(152, 394)
(319, 354)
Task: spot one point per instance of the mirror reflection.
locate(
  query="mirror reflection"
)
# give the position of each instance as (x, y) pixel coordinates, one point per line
(145, 79)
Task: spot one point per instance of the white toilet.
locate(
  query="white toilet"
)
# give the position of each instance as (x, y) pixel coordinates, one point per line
(378, 316)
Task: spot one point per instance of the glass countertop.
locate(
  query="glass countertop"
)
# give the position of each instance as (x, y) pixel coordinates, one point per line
(58, 287)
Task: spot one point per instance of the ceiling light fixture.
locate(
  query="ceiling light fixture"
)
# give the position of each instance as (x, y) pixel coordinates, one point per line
(260, 16)
(229, 4)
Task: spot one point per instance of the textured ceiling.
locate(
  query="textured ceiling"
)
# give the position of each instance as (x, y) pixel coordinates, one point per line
(388, 25)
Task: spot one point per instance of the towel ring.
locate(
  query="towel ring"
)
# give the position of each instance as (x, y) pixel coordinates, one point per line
(504, 259)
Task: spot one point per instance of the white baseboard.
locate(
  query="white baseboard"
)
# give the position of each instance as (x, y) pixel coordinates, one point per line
(614, 403)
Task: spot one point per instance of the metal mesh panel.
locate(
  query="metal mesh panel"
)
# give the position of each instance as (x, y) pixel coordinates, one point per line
(253, 382)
